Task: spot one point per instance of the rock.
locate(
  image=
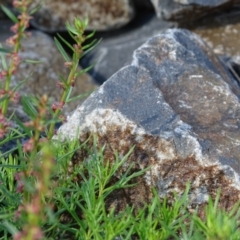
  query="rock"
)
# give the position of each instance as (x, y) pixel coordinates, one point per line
(188, 10)
(221, 32)
(42, 77)
(102, 14)
(179, 107)
(116, 49)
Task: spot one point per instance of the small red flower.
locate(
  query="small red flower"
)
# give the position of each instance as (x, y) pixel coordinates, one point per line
(68, 64)
(61, 85)
(15, 28)
(58, 106)
(28, 146)
(3, 74)
(12, 40)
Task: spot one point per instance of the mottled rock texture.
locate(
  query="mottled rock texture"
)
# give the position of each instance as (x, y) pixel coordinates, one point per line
(187, 10)
(115, 51)
(43, 77)
(102, 14)
(180, 108)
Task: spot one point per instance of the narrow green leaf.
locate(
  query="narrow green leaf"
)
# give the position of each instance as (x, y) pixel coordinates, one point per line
(78, 97)
(90, 35)
(16, 133)
(85, 22)
(85, 69)
(9, 14)
(19, 85)
(9, 165)
(62, 51)
(33, 61)
(29, 107)
(67, 43)
(69, 93)
(32, 11)
(3, 98)
(62, 79)
(3, 60)
(72, 35)
(10, 227)
(71, 29)
(24, 128)
(4, 50)
(90, 44)
(90, 49)
(5, 154)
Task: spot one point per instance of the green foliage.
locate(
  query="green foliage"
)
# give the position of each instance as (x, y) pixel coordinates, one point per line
(217, 225)
(44, 196)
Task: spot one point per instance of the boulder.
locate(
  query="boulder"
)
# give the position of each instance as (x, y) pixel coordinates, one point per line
(221, 31)
(43, 77)
(179, 107)
(102, 14)
(188, 10)
(122, 45)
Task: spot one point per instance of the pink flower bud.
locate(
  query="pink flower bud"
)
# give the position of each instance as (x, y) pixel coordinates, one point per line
(68, 64)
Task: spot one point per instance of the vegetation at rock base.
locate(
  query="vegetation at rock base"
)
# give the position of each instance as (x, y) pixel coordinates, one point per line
(42, 196)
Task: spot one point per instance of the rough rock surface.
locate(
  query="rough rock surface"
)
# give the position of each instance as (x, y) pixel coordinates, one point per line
(45, 75)
(102, 14)
(180, 108)
(115, 51)
(221, 31)
(187, 10)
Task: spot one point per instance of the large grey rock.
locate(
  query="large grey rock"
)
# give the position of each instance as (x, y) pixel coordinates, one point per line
(43, 77)
(180, 109)
(188, 10)
(115, 50)
(102, 15)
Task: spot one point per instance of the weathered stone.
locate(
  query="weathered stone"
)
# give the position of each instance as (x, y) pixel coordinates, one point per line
(180, 108)
(188, 10)
(221, 32)
(115, 50)
(102, 14)
(43, 77)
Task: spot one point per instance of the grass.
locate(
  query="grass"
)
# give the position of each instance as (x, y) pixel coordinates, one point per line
(76, 206)
(43, 195)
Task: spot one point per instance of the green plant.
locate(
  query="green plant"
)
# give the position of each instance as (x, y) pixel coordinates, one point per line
(217, 224)
(41, 198)
(32, 174)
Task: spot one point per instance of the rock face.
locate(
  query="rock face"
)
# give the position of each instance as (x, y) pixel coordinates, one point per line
(121, 46)
(221, 32)
(43, 77)
(187, 10)
(180, 108)
(102, 14)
